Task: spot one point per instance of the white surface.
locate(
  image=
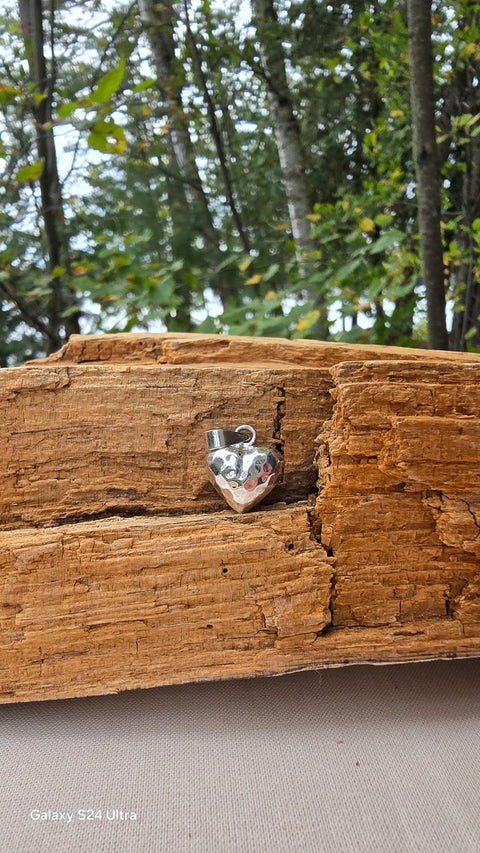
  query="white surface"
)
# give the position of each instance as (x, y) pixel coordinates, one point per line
(354, 759)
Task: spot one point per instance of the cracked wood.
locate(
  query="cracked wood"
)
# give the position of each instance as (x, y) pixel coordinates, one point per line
(122, 568)
(100, 606)
(85, 440)
(400, 505)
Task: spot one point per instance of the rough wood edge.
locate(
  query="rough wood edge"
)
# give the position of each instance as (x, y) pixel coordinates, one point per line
(188, 348)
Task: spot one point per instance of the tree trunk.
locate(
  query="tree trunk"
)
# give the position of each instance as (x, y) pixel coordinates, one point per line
(158, 21)
(31, 17)
(464, 98)
(427, 168)
(216, 134)
(286, 129)
(285, 126)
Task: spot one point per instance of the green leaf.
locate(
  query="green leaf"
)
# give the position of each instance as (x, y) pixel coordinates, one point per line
(396, 291)
(452, 224)
(109, 83)
(383, 219)
(245, 263)
(386, 241)
(347, 269)
(30, 173)
(375, 288)
(271, 272)
(8, 94)
(466, 120)
(163, 291)
(146, 84)
(107, 137)
(65, 110)
(58, 271)
(229, 261)
(70, 311)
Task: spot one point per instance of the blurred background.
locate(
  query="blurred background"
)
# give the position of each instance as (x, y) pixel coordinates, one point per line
(243, 168)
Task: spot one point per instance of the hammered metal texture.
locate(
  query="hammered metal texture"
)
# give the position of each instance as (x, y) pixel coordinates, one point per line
(244, 474)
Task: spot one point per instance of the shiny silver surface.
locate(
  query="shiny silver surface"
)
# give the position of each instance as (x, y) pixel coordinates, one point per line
(224, 438)
(242, 472)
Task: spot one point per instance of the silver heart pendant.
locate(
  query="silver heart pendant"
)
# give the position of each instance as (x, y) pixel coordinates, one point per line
(240, 471)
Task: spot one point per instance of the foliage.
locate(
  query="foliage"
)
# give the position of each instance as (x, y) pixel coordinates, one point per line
(148, 248)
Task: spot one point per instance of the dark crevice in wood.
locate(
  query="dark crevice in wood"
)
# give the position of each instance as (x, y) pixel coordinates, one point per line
(139, 511)
(448, 605)
(279, 416)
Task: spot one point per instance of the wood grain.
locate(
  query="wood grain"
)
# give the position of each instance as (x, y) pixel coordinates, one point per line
(98, 440)
(400, 505)
(173, 348)
(122, 568)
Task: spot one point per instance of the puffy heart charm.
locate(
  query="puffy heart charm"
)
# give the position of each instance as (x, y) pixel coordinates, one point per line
(242, 472)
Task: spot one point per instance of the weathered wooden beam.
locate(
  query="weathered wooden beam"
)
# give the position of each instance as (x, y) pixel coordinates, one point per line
(122, 567)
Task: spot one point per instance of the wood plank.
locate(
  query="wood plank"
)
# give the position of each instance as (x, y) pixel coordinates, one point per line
(104, 439)
(121, 567)
(102, 606)
(94, 607)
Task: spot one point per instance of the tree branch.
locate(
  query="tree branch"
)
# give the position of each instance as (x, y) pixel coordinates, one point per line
(216, 134)
(30, 318)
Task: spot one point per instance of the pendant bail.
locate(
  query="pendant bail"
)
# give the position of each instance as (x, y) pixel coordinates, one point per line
(219, 438)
